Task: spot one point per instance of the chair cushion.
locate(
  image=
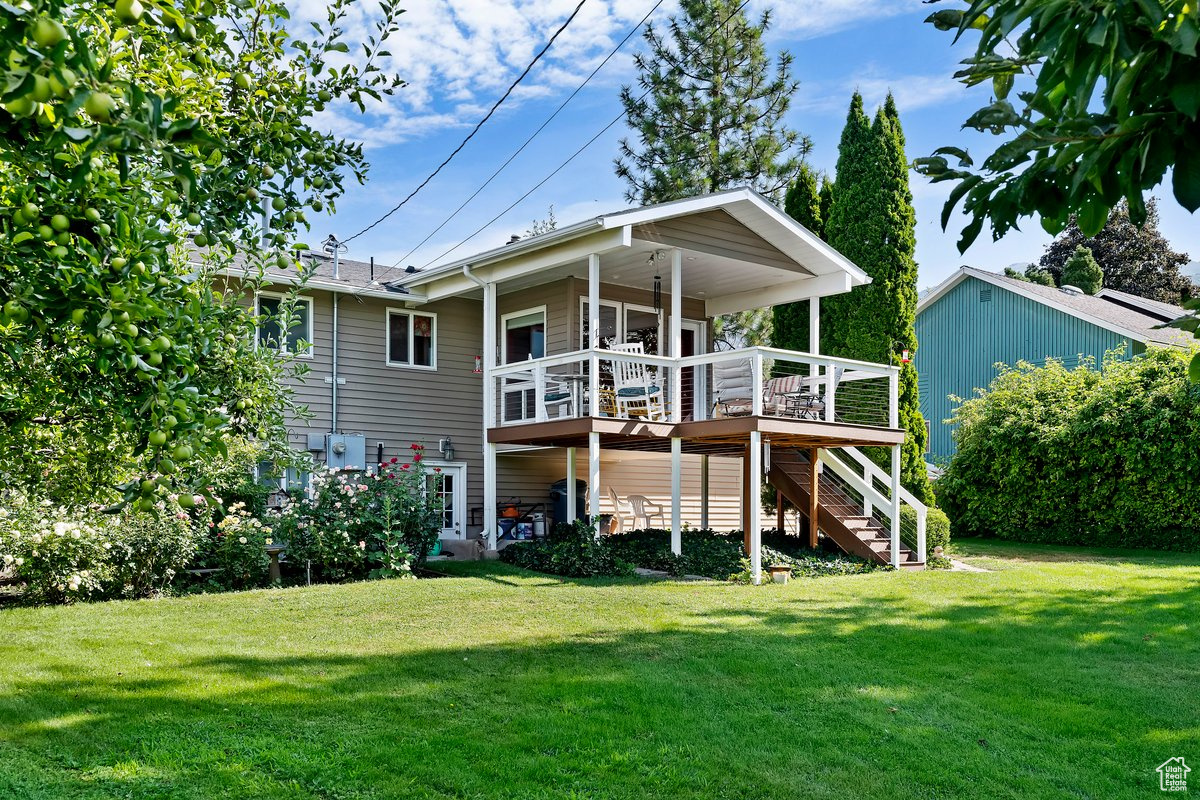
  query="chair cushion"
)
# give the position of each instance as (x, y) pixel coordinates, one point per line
(552, 396)
(636, 391)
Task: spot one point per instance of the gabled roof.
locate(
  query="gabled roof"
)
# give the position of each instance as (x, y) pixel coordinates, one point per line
(1132, 322)
(1164, 311)
(747, 206)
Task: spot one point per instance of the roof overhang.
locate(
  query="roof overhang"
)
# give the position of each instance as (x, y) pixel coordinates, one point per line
(742, 252)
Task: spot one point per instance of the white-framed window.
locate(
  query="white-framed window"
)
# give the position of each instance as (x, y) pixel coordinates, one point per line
(290, 336)
(610, 322)
(523, 335)
(623, 322)
(411, 339)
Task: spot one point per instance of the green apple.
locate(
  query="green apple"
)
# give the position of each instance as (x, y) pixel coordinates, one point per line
(100, 105)
(158, 438)
(129, 11)
(182, 452)
(48, 32)
(42, 90)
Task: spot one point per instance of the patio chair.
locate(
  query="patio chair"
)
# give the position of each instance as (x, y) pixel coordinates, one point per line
(644, 508)
(637, 394)
(620, 509)
(559, 395)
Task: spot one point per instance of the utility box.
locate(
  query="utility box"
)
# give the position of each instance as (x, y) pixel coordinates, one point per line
(345, 450)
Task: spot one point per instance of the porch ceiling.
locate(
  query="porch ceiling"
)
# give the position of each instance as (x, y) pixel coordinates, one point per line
(723, 437)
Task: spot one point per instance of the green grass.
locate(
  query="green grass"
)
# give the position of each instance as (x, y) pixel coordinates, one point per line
(1060, 674)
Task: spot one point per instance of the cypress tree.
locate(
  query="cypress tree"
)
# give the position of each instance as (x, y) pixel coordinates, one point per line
(872, 222)
(789, 322)
(1082, 271)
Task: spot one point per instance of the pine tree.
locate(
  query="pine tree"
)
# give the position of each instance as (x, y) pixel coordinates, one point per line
(872, 222)
(1082, 271)
(708, 113)
(789, 321)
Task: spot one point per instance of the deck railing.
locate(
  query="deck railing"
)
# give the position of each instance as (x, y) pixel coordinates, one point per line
(759, 381)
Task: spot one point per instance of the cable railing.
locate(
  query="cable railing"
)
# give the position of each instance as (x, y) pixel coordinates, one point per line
(756, 381)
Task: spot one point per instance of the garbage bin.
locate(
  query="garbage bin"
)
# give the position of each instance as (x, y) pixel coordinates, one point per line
(558, 500)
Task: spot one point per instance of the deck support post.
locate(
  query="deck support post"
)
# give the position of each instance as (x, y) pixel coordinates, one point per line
(814, 482)
(593, 480)
(704, 492)
(754, 511)
(489, 415)
(593, 342)
(676, 331)
(676, 496)
(745, 487)
(895, 487)
(572, 511)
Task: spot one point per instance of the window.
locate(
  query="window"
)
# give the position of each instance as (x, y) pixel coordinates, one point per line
(271, 329)
(610, 330)
(412, 339)
(524, 335)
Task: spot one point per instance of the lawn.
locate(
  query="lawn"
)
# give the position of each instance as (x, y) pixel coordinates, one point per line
(1062, 673)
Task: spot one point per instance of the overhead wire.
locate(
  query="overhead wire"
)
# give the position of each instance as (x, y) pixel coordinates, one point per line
(574, 155)
(474, 130)
(531, 137)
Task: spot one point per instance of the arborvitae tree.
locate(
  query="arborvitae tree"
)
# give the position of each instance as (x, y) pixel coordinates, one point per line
(789, 322)
(1082, 271)
(709, 108)
(1134, 258)
(848, 227)
(826, 202)
(872, 222)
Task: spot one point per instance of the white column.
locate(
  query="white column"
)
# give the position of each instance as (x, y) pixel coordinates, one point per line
(572, 511)
(755, 499)
(489, 414)
(756, 383)
(894, 398)
(676, 333)
(594, 478)
(896, 506)
(593, 334)
(676, 496)
(814, 325)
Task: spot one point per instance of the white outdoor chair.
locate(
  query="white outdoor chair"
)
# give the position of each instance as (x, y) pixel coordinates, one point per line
(637, 393)
(621, 508)
(558, 395)
(644, 508)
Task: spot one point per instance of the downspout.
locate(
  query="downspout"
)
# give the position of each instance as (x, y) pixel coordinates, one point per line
(333, 392)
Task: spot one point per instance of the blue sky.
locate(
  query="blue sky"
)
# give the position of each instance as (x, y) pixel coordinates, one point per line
(460, 55)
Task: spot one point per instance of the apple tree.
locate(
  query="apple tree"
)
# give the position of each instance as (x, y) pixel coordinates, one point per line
(139, 142)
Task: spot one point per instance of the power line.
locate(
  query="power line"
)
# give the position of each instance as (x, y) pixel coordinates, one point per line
(532, 136)
(474, 130)
(574, 155)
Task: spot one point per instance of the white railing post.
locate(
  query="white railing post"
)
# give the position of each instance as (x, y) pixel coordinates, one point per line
(922, 514)
(756, 383)
(539, 393)
(593, 342)
(895, 487)
(676, 372)
(754, 496)
(830, 391)
(894, 399)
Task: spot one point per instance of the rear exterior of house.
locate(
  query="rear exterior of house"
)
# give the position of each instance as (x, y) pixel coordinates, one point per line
(976, 319)
(585, 354)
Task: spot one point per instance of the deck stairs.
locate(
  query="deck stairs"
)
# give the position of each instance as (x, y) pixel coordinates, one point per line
(843, 514)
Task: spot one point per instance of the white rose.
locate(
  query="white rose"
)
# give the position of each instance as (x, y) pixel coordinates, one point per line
(242, 539)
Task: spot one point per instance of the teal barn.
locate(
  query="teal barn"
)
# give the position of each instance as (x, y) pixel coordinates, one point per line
(975, 319)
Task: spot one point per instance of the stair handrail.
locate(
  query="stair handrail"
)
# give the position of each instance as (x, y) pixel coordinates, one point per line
(865, 485)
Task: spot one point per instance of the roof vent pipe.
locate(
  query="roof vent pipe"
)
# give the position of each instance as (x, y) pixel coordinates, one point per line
(1069, 289)
(514, 239)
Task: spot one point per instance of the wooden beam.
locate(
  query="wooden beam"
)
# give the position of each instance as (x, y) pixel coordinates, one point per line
(813, 483)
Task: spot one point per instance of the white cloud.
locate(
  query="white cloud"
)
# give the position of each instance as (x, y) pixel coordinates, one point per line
(804, 19)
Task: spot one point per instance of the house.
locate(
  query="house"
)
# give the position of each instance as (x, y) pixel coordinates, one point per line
(586, 354)
(976, 319)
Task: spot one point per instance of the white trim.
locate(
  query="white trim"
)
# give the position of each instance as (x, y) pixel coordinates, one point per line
(613, 304)
(460, 492)
(504, 318)
(1015, 287)
(308, 352)
(625, 309)
(699, 329)
(387, 339)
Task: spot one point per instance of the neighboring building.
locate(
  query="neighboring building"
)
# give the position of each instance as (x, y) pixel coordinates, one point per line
(976, 319)
(500, 366)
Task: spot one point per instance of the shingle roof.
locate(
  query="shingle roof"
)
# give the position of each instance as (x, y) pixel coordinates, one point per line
(1107, 314)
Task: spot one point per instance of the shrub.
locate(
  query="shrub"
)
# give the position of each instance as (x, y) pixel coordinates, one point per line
(572, 551)
(352, 520)
(240, 549)
(704, 552)
(937, 528)
(1081, 456)
(63, 555)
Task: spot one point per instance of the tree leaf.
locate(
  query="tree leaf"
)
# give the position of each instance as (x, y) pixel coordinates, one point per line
(1186, 177)
(1194, 369)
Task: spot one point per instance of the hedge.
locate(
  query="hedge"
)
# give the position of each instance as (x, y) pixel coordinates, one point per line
(1083, 456)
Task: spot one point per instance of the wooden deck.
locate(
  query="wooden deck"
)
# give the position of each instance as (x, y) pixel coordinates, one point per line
(725, 436)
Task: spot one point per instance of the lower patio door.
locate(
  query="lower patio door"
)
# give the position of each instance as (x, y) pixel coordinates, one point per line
(452, 489)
